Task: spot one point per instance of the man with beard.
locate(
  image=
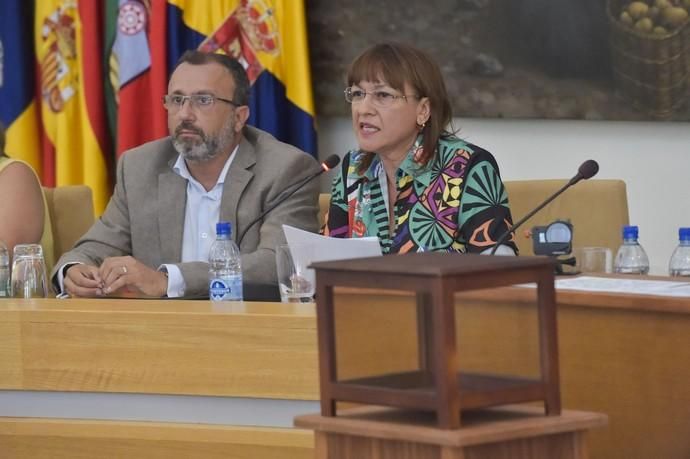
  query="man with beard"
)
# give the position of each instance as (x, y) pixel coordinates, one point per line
(155, 235)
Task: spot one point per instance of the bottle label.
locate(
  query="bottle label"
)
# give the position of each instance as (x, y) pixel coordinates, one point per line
(218, 290)
(226, 289)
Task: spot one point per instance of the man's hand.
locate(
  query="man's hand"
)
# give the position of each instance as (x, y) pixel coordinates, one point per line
(129, 273)
(83, 280)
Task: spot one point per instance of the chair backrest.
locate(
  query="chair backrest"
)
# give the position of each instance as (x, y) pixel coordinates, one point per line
(597, 209)
(71, 214)
(324, 202)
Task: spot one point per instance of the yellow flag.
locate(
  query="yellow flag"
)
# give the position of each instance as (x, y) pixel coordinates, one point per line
(68, 52)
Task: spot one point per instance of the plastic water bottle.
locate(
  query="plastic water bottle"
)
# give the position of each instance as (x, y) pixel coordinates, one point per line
(631, 257)
(225, 266)
(4, 271)
(680, 260)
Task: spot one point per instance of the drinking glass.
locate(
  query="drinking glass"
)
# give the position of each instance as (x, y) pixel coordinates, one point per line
(593, 259)
(294, 281)
(29, 279)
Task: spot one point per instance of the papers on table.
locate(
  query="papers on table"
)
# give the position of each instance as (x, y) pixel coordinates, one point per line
(631, 285)
(307, 248)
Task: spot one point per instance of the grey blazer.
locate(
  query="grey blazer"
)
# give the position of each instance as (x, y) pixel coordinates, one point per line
(145, 215)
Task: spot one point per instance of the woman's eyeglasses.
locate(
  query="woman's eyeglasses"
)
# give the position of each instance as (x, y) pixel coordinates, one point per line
(379, 98)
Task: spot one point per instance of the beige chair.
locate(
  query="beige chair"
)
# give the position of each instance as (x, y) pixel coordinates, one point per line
(324, 202)
(71, 214)
(598, 209)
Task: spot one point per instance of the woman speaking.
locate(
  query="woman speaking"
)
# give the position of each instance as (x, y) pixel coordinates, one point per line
(412, 182)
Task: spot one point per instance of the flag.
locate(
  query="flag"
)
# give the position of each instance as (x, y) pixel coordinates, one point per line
(137, 71)
(18, 111)
(68, 47)
(57, 57)
(269, 37)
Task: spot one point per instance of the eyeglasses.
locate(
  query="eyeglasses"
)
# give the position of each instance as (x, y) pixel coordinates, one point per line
(174, 102)
(378, 98)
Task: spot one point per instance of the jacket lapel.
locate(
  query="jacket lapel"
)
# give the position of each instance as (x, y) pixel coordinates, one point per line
(172, 200)
(236, 181)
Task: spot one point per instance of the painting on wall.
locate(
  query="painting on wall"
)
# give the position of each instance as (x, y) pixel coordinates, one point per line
(556, 59)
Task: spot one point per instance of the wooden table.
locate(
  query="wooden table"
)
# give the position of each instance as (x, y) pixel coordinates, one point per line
(437, 385)
(620, 354)
(153, 379)
(508, 432)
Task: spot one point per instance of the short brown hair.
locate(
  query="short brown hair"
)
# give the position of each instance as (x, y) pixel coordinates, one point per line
(397, 64)
(239, 75)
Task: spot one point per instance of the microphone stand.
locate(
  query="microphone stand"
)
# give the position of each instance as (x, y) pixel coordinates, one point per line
(568, 261)
(529, 215)
(324, 167)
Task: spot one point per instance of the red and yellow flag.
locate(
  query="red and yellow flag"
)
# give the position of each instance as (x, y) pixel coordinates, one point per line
(269, 37)
(68, 43)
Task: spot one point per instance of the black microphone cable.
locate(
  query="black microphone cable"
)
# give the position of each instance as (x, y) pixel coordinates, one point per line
(587, 170)
(328, 164)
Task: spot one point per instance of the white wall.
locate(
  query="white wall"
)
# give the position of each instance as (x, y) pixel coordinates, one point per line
(652, 158)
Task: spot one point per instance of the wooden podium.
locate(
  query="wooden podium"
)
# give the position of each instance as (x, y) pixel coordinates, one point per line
(437, 385)
(509, 432)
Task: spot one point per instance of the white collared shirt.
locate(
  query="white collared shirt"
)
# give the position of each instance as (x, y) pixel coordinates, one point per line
(202, 212)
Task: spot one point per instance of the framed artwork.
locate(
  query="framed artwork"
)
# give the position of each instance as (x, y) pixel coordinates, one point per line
(555, 59)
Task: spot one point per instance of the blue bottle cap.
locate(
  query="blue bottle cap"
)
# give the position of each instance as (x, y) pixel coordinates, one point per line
(630, 232)
(223, 228)
(683, 234)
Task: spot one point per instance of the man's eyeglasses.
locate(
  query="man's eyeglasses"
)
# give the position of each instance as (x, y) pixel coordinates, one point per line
(378, 98)
(174, 102)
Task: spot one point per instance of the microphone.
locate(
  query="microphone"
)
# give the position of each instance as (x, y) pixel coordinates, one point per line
(328, 164)
(587, 170)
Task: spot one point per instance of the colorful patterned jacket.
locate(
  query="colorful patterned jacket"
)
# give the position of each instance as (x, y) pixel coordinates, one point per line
(456, 203)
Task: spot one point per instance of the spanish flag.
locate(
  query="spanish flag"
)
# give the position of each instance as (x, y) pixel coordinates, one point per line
(68, 48)
(270, 39)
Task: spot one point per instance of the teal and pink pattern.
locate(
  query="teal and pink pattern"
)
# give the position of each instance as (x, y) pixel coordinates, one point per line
(456, 203)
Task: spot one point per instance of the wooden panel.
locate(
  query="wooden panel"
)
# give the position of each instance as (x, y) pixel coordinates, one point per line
(558, 446)
(192, 347)
(23, 438)
(493, 425)
(160, 347)
(155, 357)
(347, 447)
(514, 432)
(629, 364)
(374, 329)
(597, 300)
(11, 368)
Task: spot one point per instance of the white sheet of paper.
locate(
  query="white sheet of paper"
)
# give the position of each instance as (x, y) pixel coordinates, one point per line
(307, 248)
(618, 285)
